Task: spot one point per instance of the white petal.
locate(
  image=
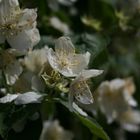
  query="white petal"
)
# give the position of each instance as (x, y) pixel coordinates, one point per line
(24, 40)
(117, 84)
(131, 127)
(87, 57)
(35, 60)
(130, 86)
(130, 120)
(93, 108)
(131, 101)
(7, 8)
(86, 74)
(131, 116)
(103, 88)
(81, 91)
(64, 46)
(79, 110)
(111, 102)
(68, 72)
(77, 62)
(53, 127)
(27, 98)
(53, 60)
(27, 18)
(8, 98)
(37, 84)
(13, 70)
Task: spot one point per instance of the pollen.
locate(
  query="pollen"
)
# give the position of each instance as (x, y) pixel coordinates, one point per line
(8, 30)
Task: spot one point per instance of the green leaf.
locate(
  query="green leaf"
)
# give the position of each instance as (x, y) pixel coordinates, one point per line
(90, 123)
(94, 127)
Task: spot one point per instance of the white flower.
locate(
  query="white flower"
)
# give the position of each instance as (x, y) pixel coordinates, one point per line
(130, 120)
(11, 66)
(80, 89)
(18, 26)
(36, 63)
(65, 60)
(53, 131)
(35, 60)
(115, 97)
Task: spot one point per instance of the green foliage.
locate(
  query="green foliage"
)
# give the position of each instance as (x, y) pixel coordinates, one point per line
(90, 123)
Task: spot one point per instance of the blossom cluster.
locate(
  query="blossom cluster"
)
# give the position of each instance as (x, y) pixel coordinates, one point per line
(26, 73)
(115, 99)
(29, 75)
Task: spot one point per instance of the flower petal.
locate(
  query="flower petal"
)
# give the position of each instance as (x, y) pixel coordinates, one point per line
(12, 72)
(130, 86)
(53, 127)
(77, 63)
(37, 84)
(111, 101)
(24, 40)
(79, 110)
(86, 74)
(53, 60)
(130, 120)
(81, 91)
(117, 84)
(7, 8)
(35, 60)
(28, 97)
(64, 46)
(8, 98)
(27, 18)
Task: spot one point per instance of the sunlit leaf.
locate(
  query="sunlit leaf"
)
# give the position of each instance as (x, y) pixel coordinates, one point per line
(90, 123)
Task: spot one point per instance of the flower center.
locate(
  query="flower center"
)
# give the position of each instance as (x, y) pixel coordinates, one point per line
(8, 30)
(64, 63)
(10, 26)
